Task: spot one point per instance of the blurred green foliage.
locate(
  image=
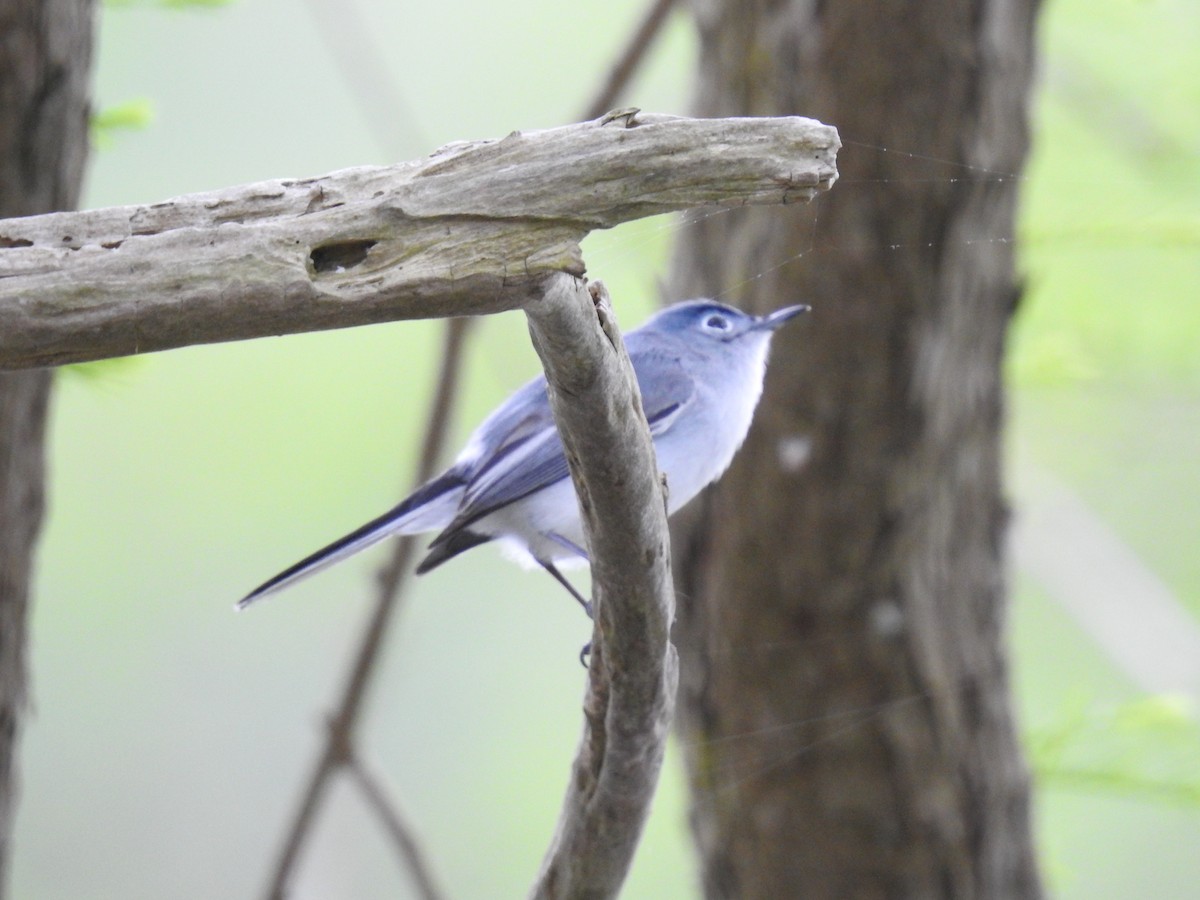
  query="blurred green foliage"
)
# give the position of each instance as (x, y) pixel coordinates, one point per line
(1146, 748)
(132, 115)
(1111, 226)
(1103, 358)
(168, 4)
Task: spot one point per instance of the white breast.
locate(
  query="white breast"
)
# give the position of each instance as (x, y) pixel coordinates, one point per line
(699, 447)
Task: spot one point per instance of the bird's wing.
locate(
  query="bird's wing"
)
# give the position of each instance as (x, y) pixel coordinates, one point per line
(521, 417)
(519, 470)
(535, 459)
(666, 389)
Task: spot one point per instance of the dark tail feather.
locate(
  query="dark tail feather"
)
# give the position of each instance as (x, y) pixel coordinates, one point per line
(359, 539)
(449, 545)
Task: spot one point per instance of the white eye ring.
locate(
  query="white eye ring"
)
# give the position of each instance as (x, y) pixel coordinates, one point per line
(719, 322)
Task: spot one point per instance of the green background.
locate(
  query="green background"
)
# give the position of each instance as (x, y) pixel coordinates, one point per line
(168, 736)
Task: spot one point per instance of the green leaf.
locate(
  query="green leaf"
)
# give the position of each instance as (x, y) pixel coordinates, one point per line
(1148, 748)
(132, 115)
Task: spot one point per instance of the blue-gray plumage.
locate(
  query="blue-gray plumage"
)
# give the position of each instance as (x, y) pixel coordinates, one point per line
(700, 369)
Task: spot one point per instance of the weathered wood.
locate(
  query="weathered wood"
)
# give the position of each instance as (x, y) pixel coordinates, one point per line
(473, 228)
(845, 701)
(634, 669)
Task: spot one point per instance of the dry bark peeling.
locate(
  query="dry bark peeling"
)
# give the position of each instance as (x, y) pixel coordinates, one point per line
(473, 228)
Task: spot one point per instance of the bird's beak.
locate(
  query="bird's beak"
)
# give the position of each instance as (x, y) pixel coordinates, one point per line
(777, 318)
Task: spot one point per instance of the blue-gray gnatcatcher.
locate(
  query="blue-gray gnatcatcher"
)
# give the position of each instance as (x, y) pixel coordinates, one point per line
(700, 369)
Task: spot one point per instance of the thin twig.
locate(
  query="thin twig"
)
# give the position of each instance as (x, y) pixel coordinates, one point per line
(631, 58)
(378, 798)
(384, 108)
(351, 43)
(338, 750)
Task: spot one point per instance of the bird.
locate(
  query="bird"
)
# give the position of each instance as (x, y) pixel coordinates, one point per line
(700, 366)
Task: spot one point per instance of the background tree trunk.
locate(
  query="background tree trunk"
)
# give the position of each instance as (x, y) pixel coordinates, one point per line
(844, 695)
(45, 63)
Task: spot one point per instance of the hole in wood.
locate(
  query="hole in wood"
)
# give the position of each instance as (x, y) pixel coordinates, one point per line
(340, 256)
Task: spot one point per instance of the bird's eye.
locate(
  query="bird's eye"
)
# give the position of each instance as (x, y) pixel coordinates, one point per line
(720, 323)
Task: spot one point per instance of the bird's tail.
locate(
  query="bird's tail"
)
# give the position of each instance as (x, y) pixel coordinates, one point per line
(429, 508)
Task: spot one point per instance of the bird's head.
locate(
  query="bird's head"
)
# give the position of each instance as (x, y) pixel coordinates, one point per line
(709, 320)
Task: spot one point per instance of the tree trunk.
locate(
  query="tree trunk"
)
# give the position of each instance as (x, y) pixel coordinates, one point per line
(45, 61)
(844, 691)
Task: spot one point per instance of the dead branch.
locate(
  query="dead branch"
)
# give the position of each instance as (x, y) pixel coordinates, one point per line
(634, 669)
(473, 228)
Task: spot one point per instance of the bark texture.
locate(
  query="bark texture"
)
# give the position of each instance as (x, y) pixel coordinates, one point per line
(633, 671)
(45, 61)
(476, 227)
(844, 689)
